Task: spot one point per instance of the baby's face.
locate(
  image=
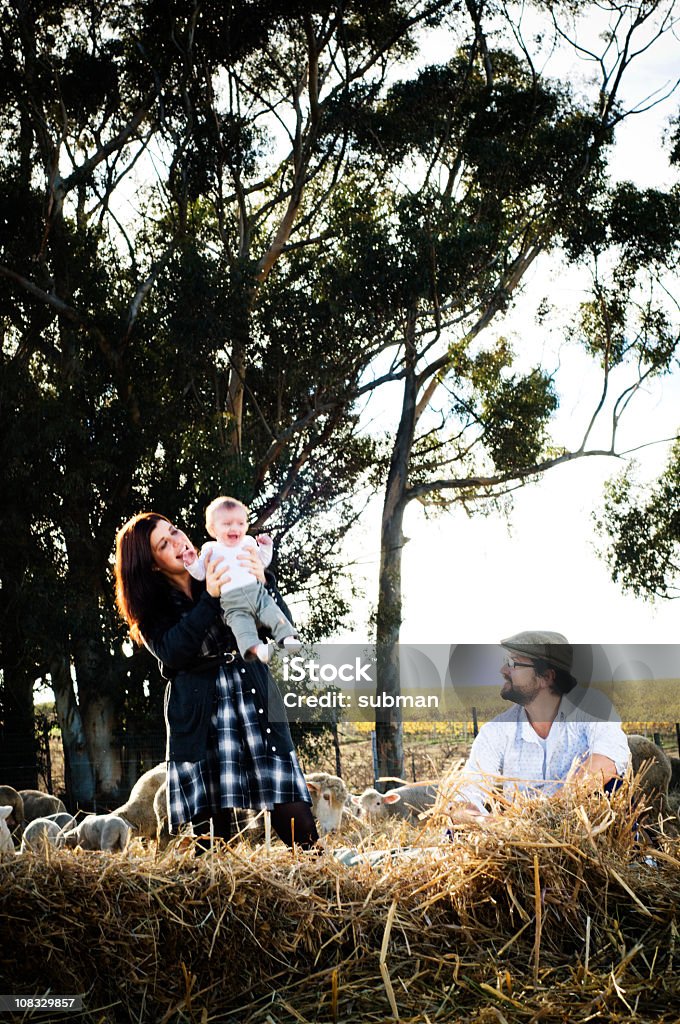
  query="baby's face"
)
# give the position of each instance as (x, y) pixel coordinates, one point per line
(229, 525)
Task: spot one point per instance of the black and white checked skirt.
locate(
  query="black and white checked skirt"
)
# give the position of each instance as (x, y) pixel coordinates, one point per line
(238, 770)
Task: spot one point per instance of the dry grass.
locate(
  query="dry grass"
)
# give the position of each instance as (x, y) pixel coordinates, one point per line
(553, 915)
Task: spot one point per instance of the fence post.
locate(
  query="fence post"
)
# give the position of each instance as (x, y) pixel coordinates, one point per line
(336, 744)
(475, 726)
(677, 735)
(374, 748)
(657, 738)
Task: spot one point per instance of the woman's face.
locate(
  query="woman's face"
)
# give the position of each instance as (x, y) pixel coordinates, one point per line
(168, 544)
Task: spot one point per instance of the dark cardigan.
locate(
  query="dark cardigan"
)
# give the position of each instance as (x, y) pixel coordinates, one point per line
(192, 676)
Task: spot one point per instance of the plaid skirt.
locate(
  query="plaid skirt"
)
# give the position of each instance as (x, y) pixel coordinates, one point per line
(237, 770)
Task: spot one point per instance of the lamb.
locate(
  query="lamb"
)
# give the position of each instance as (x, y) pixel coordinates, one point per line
(329, 795)
(655, 777)
(37, 833)
(406, 802)
(138, 811)
(39, 805)
(106, 832)
(63, 819)
(10, 796)
(6, 844)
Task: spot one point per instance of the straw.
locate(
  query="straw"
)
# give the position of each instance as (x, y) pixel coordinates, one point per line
(496, 923)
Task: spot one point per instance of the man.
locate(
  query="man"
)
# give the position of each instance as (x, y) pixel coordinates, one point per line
(545, 737)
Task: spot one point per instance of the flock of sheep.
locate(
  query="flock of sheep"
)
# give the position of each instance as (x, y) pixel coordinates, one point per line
(35, 819)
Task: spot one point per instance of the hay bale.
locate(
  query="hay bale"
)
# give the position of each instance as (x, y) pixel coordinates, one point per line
(495, 920)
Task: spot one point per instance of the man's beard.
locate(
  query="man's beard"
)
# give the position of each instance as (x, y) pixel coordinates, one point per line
(509, 692)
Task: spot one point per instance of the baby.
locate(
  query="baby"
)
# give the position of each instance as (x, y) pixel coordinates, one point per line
(245, 602)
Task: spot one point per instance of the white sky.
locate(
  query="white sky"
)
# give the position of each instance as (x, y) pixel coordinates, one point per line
(474, 580)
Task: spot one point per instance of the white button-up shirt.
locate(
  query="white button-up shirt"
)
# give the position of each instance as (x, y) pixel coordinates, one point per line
(509, 751)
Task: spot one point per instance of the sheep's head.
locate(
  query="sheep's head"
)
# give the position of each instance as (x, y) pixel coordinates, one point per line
(68, 839)
(372, 805)
(329, 794)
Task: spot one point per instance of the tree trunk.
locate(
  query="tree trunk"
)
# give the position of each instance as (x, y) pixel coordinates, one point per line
(18, 748)
(388, 720)
(18, 760)
(100, 693)
(100, 721)
(79, 775)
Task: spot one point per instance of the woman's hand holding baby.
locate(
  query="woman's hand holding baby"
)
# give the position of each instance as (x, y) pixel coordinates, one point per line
(216, 575)
(251, 561)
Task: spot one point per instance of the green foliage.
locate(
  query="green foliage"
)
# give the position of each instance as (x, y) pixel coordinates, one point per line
(641, 527)
(645, 223)
(515, 414)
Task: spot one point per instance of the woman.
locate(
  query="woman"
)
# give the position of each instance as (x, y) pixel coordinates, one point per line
(223, 749)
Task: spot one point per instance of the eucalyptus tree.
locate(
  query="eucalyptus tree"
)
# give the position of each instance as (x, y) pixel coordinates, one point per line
(486, 165)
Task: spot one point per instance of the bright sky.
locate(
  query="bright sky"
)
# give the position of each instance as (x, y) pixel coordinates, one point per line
(474, 580)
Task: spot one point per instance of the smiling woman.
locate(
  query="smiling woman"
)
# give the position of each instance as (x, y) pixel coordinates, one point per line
(168, 545)
(228, 746)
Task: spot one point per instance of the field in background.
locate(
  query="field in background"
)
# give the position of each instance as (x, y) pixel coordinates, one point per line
(430, 750)
(635, 700)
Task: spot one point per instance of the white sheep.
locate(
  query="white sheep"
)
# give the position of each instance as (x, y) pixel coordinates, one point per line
(39, 805)
(6, 844)
(64, 820)
(37, 833)
(106, 832)
(138, 810)
(329, 794)
(406, 802)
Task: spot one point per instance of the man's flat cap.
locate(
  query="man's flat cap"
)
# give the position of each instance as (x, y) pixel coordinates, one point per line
(551, 647)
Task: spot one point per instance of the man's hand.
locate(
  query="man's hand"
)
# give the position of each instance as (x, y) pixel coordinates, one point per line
(596, 768)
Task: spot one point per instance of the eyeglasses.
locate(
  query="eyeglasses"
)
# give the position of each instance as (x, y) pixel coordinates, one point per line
(511, 663)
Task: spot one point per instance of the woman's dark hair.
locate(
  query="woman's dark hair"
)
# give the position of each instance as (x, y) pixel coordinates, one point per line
(138, 587)
(564, 681)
